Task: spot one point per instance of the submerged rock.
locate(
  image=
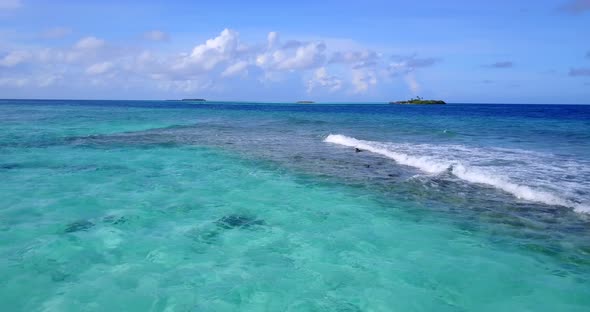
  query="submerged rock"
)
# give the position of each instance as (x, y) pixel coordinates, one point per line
(238, 221)
(59, 276)
(115, 220)
(80, 225)
(10, 166)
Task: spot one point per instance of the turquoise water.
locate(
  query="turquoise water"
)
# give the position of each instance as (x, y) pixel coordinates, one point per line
(161, 206)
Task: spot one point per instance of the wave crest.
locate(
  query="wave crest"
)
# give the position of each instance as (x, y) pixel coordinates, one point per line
(463, 171)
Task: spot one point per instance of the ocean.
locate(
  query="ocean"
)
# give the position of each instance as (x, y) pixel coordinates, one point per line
(175, 206)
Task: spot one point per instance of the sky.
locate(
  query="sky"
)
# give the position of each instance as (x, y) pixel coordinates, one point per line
(331, 51)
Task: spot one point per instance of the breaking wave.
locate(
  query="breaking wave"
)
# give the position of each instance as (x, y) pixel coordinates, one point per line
(485, 166)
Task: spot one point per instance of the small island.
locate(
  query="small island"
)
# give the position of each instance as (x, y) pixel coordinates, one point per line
(194, 100)
(419, 100)
(305, 102)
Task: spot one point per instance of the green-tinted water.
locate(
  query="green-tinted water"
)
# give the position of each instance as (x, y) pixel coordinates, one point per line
(149, 224)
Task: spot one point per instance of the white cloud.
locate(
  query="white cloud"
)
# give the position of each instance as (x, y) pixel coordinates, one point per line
(46, 81)
(14, 58)
(156, 35)
(88, 50)
(27, 81)
(362, 80)
(358, 59)
(46, 55)
(185, 86)
(321, 79)
(206, 56)
(227, 56)
(99, 68)
(293, 55)
(209, 65)
(10, 4)
(406, 67)
(56, 33)
(89, 43)
(412, 83)
(238, 68)
(273, 39)
(13, 82)
(307, 56)
(144, 61)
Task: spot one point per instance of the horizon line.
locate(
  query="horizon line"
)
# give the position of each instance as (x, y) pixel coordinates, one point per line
(270, 102)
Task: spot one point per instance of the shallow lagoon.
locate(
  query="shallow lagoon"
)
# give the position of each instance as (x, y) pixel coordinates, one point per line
(152, 206)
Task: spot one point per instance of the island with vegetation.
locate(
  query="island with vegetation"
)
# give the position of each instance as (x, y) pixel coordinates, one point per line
(194, 100)
(419, 100)
(305, 102)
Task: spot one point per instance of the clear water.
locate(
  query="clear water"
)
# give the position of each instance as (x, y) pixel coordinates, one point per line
(166, 206)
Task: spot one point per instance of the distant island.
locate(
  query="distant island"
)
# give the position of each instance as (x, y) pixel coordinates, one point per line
(194, 100)
(419, 100)
(305, 102)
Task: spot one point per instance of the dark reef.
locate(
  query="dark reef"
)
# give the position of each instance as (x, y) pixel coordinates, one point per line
(80, 225)
(238, 221)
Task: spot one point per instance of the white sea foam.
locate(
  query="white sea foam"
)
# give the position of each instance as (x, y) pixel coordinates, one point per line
(533, 179)
(421, 162)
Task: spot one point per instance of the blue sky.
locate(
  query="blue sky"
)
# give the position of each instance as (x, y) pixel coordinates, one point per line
(460, 51)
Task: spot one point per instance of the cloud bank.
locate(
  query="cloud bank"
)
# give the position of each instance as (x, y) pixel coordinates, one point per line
(210, 65)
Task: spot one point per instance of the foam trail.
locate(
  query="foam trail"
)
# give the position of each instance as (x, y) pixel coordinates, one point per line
(422, 163)
(520, 191)
(466, 173)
